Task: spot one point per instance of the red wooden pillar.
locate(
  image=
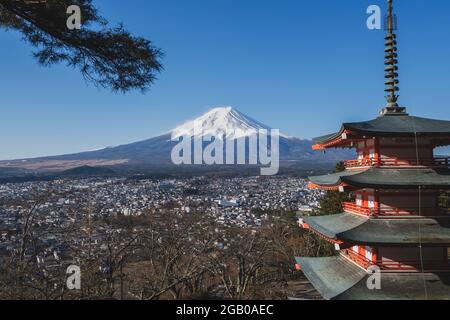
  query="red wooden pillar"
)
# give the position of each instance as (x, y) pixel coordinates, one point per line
(377, 152)
(376, 208)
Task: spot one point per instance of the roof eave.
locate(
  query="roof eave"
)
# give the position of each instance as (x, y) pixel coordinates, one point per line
(346, 228)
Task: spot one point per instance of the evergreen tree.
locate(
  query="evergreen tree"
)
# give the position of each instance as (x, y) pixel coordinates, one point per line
(108, 57)
(331, 203)
(340, 166)
(444, 200)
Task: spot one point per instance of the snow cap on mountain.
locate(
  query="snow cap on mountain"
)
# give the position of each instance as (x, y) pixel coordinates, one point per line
(224, 121)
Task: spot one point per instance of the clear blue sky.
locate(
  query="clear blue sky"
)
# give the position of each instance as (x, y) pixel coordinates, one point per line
(301, 66)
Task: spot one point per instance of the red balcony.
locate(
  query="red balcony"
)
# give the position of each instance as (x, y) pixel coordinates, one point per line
(352, 207)
(414, 211)
(401, 265)
(367, 162)
(414, 265)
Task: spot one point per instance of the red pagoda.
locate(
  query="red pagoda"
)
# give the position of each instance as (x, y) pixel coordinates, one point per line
(395, 226)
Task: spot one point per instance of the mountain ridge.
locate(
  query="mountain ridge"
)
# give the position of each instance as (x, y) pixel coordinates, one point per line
(226, 121)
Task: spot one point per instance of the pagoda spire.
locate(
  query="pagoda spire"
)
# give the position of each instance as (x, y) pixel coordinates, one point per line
(391, 69)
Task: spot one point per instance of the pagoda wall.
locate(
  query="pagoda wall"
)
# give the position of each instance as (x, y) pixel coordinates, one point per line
(405, 142)
(366, 198)
(366, 149)
(406, 202)
(389, 149)
(389, 254)
(409, 202)
(404, 148)
(400, 258)
(393, 153)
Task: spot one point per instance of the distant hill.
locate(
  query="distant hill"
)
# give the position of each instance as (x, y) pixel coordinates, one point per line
(154, 154)
(88, 171)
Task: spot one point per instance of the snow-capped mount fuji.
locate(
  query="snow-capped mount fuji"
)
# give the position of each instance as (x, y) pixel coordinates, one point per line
(155, 153)
(222, 122)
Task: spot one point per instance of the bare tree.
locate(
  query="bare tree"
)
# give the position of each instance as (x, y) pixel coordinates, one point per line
(237, 260)
(170, 258)
(26, 274)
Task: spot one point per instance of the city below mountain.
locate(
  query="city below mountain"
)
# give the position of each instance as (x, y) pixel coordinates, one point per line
(154, 155)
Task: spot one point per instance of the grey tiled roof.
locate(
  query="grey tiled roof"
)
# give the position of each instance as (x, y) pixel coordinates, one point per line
(331, 276)
(388, 178)
(338, 279)
(399, 125)
(355, 229)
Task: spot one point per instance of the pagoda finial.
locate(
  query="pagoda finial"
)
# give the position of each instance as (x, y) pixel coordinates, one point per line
(392, 107)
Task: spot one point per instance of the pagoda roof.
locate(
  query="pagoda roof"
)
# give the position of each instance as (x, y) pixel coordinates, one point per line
(356, 229)
(399, 125)
(432, 178)
(326, 138)
(336, 278)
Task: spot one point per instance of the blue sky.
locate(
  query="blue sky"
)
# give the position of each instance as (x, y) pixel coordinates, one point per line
(301, 66)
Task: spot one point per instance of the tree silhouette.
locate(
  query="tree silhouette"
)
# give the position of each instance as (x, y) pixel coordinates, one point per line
(108, 57)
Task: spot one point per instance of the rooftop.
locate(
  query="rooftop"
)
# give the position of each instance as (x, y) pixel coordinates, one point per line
(387, 178)
(360, 230)
(399, 125)
(336, 278)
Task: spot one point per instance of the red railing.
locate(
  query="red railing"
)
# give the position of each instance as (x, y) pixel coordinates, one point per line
(366, 162)
(357, 258)
(414, 211)
(352, 207)
(389, 162)
(401, 265)
(414, 265)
